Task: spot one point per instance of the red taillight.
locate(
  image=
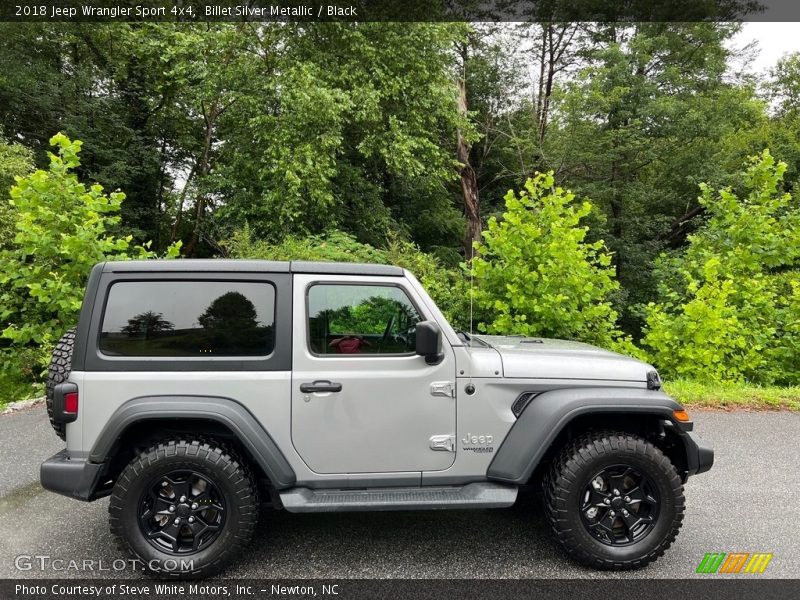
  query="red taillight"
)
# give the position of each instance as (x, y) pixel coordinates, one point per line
(71, 403)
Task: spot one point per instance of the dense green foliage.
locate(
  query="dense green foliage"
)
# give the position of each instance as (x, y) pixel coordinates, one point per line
(61, 230)
(537, 275)
(292, 127)
(15, 161)
(728, 306)
(359, 142)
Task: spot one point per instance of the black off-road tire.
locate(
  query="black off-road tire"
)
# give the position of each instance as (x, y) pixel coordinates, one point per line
(223, 468)
(58, 372)
(565, 488)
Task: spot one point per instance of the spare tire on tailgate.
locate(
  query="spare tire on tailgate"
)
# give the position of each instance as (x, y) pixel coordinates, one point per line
(58, 372)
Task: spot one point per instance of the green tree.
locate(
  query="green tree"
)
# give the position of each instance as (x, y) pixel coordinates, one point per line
(15, 161)
(61, 231)
(292, 127)
(343, 126)
(728, 304)
(784, 85)
(780, 131)
(647, 120)
(538, 275)
(93, 84)
(197, 73)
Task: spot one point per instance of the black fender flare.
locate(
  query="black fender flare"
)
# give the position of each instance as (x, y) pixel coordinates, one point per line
(548, 413)
(225, 411)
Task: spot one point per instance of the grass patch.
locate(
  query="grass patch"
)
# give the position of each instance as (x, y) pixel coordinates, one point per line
(695, 394)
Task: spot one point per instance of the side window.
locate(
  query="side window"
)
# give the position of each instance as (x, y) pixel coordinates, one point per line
(361, 319)
(189, 319)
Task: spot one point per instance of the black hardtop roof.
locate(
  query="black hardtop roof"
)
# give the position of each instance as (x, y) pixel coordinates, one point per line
(224, 265)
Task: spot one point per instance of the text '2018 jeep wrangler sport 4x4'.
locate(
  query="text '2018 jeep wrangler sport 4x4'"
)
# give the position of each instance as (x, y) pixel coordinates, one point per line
(193, 390)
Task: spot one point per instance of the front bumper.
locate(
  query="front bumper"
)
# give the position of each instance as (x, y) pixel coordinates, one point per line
(699, 455)
(74, 477)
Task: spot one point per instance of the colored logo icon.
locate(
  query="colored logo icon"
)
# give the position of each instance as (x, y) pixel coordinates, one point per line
(734, 562)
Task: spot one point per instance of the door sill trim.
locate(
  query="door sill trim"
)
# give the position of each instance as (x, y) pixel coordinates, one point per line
(472, 495)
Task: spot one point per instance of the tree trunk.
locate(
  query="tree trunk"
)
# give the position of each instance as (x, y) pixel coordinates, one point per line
(616, 218)
(469, 182)
(203, 169)
(176, 226)
(541, 84)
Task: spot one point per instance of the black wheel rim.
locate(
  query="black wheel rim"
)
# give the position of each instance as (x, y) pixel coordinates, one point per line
(619, 505)
(181, 512)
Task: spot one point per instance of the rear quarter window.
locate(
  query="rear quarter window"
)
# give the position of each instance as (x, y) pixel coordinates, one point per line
(188, 319)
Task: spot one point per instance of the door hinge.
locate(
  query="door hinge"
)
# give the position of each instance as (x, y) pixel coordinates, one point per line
(443, 388)
(444, 443)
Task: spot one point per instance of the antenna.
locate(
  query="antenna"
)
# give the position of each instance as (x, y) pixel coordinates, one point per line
(471, 288)
(470, 389)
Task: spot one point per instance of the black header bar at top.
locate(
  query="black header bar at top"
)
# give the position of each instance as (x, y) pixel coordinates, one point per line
(398, 10)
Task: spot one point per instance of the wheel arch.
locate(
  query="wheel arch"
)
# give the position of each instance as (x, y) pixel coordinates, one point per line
(141, 421)
(551, 418)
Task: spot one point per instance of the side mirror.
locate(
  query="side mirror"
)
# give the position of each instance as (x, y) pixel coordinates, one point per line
(429, 338)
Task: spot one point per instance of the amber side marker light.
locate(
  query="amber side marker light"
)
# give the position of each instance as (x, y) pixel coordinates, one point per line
(681, 415)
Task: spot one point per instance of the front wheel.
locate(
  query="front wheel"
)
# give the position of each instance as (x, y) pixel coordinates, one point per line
(614, 501)
(184, 508)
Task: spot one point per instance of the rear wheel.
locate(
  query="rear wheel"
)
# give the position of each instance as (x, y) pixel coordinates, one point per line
(614, 500)
(184, 508)
(58, 372)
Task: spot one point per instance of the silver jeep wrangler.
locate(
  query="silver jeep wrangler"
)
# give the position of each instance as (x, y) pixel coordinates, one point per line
(193, 391)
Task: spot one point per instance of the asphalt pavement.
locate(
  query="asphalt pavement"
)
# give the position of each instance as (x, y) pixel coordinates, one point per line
(748, 502)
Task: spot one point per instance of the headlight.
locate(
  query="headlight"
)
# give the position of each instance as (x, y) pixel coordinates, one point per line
(653, 380)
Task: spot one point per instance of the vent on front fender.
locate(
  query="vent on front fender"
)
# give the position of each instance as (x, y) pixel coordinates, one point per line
(521, 402)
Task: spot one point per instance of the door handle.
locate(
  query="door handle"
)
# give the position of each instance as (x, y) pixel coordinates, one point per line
(320, 386)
